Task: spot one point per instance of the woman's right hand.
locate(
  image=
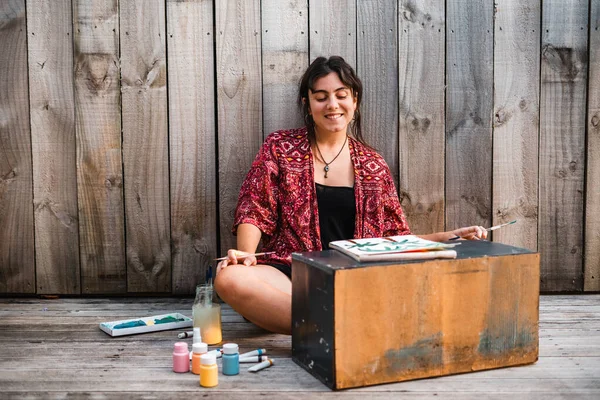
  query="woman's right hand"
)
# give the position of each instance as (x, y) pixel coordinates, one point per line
(235, 257)
(474, 232)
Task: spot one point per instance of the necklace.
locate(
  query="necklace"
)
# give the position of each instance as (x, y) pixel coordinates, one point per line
(326, 168)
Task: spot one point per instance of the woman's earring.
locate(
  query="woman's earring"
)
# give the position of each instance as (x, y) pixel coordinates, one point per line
(308, 121)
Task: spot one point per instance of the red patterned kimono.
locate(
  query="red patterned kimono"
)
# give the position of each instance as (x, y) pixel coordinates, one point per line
(279, 196)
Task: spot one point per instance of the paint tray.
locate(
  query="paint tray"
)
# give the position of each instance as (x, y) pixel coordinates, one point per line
(146, 324)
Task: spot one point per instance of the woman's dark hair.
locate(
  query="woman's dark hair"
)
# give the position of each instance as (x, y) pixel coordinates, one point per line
(319, 68)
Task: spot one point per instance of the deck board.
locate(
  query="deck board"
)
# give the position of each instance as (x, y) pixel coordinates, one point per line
(54, 349)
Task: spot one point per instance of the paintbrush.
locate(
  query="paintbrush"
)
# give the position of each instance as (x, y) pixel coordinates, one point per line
(245, 255)
(209, 276)
(493, 228)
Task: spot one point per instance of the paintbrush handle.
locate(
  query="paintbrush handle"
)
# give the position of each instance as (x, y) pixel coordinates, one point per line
(493, 228)
(246, 255)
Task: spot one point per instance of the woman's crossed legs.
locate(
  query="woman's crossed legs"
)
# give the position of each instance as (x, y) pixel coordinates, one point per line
(260, 293)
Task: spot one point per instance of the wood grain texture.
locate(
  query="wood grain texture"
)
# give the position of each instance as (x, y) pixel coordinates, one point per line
(17, 262)
(239, 103)
(562, 141)
(145, 145)
(99, 158)
(474, 394)
(592, 207)
(333, 29)
(421, 48)
(51, 95)
(284, 60)
(469, 74)
(139, 366)
(487, 174)
(192, 141)
(377, 39)
(516, 121)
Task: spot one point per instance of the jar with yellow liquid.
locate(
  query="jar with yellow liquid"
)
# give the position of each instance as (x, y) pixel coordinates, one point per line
(207, 314)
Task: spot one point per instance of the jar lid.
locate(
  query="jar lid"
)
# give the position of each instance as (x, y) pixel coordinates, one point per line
(208, 359)
(181, 348)
(200, 348)
(230, 348)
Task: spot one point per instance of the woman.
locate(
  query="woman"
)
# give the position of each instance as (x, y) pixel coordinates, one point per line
(306, 188)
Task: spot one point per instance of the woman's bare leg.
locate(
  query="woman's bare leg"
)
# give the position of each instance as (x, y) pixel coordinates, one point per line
(260, 293)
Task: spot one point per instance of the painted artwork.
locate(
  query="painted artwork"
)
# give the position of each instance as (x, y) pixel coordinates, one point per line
(393, 244)
(393, 248)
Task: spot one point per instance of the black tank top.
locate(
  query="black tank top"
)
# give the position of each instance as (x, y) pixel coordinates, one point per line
(337, 213)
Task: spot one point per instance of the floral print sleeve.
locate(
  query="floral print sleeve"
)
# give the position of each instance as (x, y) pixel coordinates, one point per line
(257, 204)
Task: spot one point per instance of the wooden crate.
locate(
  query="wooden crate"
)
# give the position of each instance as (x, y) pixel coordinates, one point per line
(363, 324)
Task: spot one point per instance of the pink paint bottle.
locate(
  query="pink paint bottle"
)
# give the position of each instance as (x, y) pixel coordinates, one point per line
(181, 357)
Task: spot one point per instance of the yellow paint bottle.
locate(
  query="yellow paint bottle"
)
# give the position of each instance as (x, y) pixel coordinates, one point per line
(197, 350)
(209, 374)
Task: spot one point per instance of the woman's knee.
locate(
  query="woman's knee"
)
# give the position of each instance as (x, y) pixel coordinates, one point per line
(226, 283)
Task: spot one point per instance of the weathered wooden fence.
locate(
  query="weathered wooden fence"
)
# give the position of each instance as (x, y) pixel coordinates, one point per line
(127, 126)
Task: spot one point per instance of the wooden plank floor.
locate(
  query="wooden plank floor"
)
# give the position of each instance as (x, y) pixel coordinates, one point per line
(54, 349)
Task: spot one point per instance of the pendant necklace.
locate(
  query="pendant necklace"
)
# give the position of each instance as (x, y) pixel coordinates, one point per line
(326, 168)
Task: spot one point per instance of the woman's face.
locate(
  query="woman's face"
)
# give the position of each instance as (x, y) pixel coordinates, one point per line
(331, 104)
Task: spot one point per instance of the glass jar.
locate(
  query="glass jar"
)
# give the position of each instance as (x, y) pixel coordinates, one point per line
(207, 314)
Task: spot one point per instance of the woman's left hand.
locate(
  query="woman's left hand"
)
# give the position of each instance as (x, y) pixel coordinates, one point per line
(471, 232)
(235, 257)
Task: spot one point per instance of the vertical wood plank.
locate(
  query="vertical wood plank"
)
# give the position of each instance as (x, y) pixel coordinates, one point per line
(592, 207)
(50, 26)
(421, 44)
(333, 29)
(98, 132)
(377, 39)
(469, 69)
(145, 145)
(192, 141)
(516, 120)
(562, 141)
(238, 101)
(284, 60)
(17, 262)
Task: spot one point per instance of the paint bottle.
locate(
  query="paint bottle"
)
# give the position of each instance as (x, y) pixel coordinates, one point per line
(198, 349)
(209, 374)
(181, 357)
(231, 359)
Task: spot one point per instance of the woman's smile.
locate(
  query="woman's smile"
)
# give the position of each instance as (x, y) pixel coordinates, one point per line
(332, 105)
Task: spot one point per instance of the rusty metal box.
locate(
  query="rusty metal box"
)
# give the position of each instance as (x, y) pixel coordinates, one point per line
(363, 324)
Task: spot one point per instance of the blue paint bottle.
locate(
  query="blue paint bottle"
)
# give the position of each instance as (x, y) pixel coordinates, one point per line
(231, 359)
